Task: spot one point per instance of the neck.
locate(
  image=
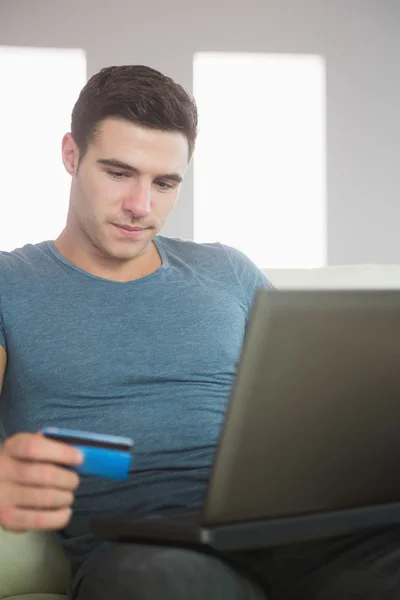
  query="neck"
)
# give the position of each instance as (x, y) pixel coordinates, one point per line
(91, 260)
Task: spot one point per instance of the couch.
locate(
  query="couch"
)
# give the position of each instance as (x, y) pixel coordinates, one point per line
(32, 567)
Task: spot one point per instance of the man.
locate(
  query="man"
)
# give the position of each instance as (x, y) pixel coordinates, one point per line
(116, 329)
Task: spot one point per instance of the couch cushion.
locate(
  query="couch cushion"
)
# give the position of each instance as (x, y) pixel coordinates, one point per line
(32, 563)
(342, 277)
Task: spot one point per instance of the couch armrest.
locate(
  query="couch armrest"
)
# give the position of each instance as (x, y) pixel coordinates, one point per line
(31, 563)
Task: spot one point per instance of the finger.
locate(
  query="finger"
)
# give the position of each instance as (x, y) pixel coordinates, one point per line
(12, 530)
(34, 497)
(19, 519)
(37, 447)
(37, 474)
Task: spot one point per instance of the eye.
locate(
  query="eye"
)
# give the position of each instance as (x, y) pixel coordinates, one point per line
(117, 174)
(164, 186)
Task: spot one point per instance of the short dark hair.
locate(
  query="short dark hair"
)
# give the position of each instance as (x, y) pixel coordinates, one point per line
(138, 94)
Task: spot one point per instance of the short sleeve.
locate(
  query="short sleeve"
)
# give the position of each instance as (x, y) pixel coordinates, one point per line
(250, 277)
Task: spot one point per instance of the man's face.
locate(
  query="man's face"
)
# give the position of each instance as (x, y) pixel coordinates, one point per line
(130, 176)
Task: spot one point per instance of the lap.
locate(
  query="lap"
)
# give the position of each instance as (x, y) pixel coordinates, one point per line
(364, 565)
(140, 572)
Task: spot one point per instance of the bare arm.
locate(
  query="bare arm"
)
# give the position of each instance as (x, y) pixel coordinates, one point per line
(3, 362)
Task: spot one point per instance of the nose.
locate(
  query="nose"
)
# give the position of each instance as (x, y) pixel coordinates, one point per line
(139, 200)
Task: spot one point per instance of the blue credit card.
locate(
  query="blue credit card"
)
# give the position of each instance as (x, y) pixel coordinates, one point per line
(104, 455)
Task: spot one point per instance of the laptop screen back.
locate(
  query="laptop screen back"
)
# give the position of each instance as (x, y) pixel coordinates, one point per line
(313, 422)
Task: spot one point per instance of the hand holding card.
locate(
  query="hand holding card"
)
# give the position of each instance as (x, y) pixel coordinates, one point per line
(104, 455)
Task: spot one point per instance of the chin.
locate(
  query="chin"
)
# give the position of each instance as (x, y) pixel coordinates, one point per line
(127, 251)
(123, 253)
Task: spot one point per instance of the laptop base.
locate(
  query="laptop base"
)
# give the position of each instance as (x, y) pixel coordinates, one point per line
(186, 530)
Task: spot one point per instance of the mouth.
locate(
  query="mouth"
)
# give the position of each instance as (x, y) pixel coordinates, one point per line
(132, 232)
(128, 228)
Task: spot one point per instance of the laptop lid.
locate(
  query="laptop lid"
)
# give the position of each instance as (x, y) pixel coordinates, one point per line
(314, 417)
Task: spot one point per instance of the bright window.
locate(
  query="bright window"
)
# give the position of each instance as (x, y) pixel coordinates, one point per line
(39, 87)
(259, 167)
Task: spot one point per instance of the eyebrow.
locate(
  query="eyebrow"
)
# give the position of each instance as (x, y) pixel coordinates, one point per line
(119, 164)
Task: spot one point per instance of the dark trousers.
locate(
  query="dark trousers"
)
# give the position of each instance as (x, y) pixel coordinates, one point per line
(364, 566)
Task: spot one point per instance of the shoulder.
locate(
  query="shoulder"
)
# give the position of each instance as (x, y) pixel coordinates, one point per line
(244, 266)
(19, 270)
(221, 262)
(26, 254)
(18, 263)
(202, 252)
(187, 249)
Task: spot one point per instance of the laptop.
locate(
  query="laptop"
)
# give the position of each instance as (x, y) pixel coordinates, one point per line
(310, 445)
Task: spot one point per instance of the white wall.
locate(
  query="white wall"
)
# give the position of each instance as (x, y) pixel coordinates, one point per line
(359, 38)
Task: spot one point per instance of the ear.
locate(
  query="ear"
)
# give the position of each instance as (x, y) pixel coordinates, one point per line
(70, 154)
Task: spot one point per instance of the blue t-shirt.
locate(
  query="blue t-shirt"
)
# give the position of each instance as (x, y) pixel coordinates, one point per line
(153, 359)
